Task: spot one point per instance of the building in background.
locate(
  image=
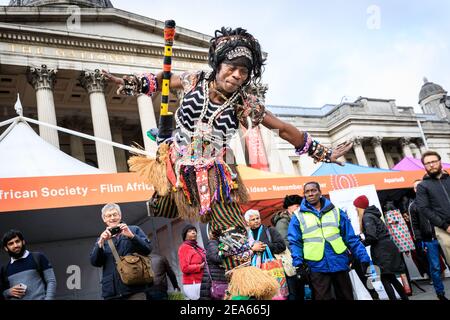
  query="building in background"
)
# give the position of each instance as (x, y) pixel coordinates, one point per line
(383, 133)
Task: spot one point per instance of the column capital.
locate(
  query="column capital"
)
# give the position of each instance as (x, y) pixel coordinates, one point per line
(420, 143)
(357, 141)
(376, 141)
(405, 141)
(41, 78)
(93, 81)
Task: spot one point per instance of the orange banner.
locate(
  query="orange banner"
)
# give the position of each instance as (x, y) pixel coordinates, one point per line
(275, 188)
(18, 194)
(70, 191)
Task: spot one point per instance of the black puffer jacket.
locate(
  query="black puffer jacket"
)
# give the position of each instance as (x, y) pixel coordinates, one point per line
(422, 228)
(383, 250)
(215, 268)
(433, 200)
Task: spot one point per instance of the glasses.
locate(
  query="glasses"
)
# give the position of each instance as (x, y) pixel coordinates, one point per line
(427, 164)
(111, 215)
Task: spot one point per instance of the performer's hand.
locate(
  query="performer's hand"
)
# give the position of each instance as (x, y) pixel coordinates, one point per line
(339, 151)
(112, 78)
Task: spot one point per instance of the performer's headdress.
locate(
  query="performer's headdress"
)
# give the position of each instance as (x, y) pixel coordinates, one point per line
(239, 47)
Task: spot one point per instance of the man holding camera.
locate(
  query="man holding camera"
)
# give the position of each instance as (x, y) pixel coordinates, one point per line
(127, 240)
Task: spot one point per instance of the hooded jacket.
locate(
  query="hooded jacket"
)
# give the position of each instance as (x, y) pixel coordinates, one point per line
(433, 200)
(383, 250)
(331, 262)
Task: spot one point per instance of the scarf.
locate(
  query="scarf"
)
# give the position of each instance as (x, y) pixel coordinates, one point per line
(196, 247)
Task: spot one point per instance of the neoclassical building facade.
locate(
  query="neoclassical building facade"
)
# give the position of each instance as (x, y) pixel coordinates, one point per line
(52, 52)
(383, 132)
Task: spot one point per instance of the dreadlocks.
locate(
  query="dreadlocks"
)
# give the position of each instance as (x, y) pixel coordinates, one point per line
(238, 47)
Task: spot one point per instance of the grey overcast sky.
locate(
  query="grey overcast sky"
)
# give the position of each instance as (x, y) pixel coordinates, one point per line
(322, 51)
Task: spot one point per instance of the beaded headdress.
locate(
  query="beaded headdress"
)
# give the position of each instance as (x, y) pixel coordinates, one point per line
(230, 44)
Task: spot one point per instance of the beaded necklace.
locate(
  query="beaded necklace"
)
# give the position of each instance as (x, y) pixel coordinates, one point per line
(201, 130)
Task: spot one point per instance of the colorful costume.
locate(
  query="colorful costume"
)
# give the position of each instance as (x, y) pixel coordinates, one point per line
(194, 168)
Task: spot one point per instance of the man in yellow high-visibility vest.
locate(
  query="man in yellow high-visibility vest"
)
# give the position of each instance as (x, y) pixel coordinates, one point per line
(320, 238)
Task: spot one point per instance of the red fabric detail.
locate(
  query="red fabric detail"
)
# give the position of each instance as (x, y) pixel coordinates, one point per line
(170, 173)
(203, 191)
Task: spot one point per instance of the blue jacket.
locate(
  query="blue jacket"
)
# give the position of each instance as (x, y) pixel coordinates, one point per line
(112, 286)
(331, 261)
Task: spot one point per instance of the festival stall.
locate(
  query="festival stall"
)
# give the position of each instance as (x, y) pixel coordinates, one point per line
(412, 164)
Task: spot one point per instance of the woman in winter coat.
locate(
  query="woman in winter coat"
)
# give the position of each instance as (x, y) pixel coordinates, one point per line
(383, 251)
(214, 268)
(192, 263)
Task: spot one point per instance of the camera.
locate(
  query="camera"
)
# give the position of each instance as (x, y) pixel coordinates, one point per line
(115, 230)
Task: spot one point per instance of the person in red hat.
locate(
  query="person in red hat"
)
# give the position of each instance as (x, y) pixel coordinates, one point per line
(383, 251)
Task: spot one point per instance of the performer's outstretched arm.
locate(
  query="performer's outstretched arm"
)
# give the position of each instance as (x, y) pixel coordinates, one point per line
(286, 130)
(175, 80)
(296, 137)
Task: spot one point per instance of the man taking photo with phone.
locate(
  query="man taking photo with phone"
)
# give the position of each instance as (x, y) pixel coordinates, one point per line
(28, 275)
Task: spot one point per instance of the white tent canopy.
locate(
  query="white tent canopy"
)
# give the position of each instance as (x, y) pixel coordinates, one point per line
(26, 154)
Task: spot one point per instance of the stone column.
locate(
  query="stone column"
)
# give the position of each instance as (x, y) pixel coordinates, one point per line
(76, 143)
(95, 83)
(238, 149)
(404, 142)
(390, 161)
(117, 135)
(421, 146)
(43, 80)
(148, 120)
(359, 151)
(379, 152)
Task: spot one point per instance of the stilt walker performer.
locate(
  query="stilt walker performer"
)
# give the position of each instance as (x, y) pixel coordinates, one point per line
(194, 167)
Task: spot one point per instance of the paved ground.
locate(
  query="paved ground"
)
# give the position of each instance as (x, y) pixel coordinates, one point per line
(429, 293)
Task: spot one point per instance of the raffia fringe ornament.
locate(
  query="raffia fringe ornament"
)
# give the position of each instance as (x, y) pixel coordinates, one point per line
(153, 170)
(253, 282)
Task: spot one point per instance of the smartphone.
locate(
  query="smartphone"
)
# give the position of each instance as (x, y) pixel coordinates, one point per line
(22, 286)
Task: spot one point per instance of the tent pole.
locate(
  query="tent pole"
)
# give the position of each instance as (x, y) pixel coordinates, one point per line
(4, 123)
(86, 136)
(423, 134)
(8, 130)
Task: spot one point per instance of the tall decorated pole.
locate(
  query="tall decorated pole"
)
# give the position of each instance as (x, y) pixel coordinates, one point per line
(166, 117)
